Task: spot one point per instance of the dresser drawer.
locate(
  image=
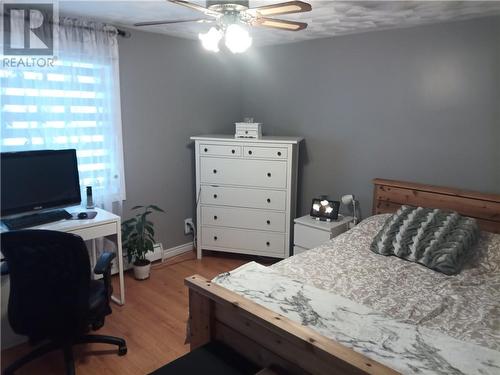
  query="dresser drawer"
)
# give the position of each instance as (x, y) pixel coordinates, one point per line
(308, 237)
(220, 150)
(242, 197)
(246, 172)
(265, 152)
(243, 218)
(268, 243)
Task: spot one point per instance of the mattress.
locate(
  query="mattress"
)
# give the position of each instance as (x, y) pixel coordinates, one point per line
(406, 348)
(465, 306)
(401, 314)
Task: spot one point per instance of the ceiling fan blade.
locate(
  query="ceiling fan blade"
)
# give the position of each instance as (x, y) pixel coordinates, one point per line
(279, 24)
(282, 8)
(197, 7)
(167, 22)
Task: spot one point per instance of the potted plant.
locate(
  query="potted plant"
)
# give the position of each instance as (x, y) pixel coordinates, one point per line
(138, 238)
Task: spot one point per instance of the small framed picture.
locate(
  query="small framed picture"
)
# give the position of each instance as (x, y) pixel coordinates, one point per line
(324, 209)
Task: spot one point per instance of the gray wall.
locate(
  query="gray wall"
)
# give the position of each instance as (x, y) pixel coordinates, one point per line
(418, 104)
(170, 90)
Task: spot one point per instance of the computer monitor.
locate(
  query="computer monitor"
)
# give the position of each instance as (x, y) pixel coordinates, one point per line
(38, 180)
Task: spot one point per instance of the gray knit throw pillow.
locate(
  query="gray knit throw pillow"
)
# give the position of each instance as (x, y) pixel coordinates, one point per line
(438, 239)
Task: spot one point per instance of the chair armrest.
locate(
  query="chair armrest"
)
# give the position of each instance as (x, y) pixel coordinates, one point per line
(4, 268)
(104, 263)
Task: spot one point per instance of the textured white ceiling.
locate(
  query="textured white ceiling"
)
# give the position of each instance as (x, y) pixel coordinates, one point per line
(327, 18)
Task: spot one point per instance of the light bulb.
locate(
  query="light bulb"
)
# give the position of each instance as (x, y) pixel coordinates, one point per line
(210, 40)
(237, 39)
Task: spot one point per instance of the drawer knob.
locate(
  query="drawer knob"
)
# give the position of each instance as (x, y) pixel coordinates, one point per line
(268, 243)
(215, 217)
(268, 200)
(268, 174)
(249, 152)
(268, 222)
(215, 238)
(206, 149)
(233, 151)
(215, 196)
(215, 170)
(246, 131)
(279, 153)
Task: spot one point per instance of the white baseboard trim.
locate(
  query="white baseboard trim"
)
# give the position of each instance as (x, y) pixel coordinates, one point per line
(157, 255)
(177, 250)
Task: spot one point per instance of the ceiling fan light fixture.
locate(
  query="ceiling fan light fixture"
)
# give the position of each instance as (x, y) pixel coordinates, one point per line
(231, 16)
(210, 40)
(237, 38)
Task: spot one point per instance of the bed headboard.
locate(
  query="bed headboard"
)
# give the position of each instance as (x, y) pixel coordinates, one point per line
(389, 195)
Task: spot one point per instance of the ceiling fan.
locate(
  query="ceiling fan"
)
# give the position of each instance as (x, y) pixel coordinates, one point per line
(230, 17)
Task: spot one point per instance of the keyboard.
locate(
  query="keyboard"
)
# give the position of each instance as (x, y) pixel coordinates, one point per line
(32, 220)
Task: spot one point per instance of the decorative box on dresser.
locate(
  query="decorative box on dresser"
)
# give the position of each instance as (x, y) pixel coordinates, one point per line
(246, 194)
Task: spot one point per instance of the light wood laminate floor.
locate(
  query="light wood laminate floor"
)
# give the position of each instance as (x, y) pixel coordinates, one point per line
(153, 321)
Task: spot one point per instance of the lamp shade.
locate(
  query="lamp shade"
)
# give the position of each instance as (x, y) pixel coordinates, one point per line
(347, 199)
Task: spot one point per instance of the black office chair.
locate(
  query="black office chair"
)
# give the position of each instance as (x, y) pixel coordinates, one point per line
(51, 294)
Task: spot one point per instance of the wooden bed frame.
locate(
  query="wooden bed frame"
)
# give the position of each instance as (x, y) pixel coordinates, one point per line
(272, 340)
(389, 195)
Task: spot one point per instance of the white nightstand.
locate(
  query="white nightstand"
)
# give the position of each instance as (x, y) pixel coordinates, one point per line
(309, 232)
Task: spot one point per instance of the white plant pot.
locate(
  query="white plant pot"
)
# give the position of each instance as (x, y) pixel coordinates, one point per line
(142, 272)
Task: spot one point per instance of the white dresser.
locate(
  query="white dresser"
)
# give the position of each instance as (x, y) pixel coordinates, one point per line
(246, 194)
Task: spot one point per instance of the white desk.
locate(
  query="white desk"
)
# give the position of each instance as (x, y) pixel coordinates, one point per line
(105, 224)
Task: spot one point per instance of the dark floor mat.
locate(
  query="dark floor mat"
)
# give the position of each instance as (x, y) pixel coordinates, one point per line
(212, 358)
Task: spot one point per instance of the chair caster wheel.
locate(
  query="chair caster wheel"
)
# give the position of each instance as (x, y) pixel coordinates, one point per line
(122, 350)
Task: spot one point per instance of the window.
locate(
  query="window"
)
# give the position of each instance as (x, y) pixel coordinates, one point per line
(74, 104)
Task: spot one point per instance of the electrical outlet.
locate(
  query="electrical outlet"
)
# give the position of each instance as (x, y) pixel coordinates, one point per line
(187, 228)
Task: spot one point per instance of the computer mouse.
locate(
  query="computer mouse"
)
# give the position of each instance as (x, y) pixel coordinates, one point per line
(83, 215)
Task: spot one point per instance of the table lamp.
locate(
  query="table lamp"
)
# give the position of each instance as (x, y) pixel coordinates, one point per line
(349, 199)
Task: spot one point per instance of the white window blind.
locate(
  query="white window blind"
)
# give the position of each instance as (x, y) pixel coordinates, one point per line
(74, 104)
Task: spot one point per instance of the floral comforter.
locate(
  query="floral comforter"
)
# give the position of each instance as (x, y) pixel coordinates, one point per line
(465, 306)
